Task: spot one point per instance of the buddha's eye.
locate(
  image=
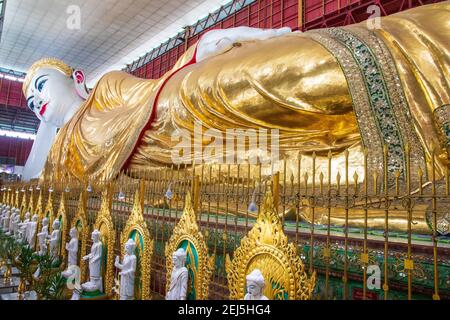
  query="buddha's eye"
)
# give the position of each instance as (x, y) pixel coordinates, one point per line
(30, 103)
(41, 84)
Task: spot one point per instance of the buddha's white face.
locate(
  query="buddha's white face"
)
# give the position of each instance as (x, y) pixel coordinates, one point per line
(50, 95)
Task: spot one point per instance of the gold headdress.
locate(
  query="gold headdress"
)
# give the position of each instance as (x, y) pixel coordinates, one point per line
(49, 63)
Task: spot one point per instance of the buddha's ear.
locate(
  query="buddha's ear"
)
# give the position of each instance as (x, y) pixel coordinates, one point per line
(79, 79)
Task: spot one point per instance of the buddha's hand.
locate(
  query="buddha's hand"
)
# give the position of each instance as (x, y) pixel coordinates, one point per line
(86, 258)
(218, 41)
(117, 261)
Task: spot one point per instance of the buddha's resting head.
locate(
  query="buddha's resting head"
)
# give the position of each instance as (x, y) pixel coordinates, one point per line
(73, 233)
(27, 216)
(255, 283)
(179, 258)
(45, 221)
(51, 88)
(130, 245)
(34, 218)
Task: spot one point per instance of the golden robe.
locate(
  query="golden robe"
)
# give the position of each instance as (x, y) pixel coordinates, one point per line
(312, 86)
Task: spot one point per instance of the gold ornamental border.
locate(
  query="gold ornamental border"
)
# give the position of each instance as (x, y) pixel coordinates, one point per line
(23, 204)
(137, 223)
(104, 217)
(62, 216)
(81, 217)
(49, 212)
(187, 229)
(268, 238)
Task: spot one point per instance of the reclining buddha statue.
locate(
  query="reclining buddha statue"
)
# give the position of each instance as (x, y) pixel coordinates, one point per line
(324, 90)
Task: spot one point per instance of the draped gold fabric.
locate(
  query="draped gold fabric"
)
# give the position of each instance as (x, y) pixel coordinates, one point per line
(292, 83)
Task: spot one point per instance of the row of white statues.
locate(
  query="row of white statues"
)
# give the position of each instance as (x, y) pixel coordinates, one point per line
(25, 232)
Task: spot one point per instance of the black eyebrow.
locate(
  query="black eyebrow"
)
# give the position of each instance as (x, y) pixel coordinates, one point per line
(35, 83)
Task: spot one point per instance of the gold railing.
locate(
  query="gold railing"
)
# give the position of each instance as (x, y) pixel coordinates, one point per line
(341, 218)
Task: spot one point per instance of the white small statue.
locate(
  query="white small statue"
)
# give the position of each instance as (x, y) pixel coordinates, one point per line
(128, 269)
(95, 265)
(54, 239)
(31, 232)
(23, 226)
(42, 237)
(72, 249)
(255, 286)
(179, 277)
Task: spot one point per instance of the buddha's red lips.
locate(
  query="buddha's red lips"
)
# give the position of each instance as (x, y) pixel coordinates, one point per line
(43, 109)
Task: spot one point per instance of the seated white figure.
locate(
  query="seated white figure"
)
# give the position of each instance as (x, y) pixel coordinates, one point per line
(95, 282)
(179, 277)
(42, 237)
(54, 239)
(72, 250)
(255, 286)
(128, 270)
(31, 232)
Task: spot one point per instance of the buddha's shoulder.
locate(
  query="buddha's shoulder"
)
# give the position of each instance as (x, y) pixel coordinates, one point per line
(114, 76)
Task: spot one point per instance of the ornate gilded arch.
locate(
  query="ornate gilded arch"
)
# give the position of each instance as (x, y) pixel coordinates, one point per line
(137, 229)
(30, 207)
(187, 234)
(104, 224)
(266, 247)
(49, 211)
(80, 222)
(62, 217)
(23, 204)
(38, 209)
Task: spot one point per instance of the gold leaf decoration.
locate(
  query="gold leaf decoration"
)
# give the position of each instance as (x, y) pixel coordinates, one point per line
(187, 229)
(266, 247)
